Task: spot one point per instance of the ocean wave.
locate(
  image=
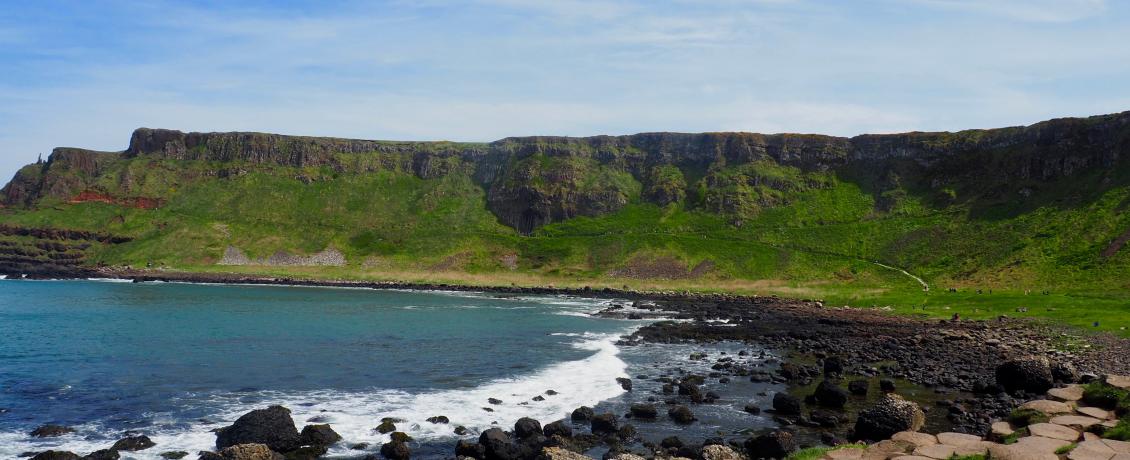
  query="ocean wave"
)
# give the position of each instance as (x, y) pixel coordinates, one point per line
(355, 414)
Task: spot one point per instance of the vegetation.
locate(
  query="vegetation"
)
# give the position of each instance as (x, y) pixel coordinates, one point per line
(814, 453)
(1025, 417)
(1106, 396)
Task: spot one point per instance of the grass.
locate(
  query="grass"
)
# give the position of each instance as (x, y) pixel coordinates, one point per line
(1106, 396)
(1120, 432)
(814, 453)
(1025, 417)
(1066, 449)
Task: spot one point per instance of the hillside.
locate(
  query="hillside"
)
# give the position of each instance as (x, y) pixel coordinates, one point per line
(1037, 207)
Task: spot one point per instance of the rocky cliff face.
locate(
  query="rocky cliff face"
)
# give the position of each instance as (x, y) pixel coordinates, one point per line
(532, 181)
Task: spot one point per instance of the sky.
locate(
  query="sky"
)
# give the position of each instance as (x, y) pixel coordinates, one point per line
(86, 73)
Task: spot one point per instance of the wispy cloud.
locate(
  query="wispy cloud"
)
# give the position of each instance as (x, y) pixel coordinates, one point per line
(1026, 10)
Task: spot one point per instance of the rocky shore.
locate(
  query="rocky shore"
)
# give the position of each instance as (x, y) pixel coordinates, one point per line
(844, 371)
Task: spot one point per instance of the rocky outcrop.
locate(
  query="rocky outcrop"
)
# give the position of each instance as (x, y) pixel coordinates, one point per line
(888, 416)
(272, 427)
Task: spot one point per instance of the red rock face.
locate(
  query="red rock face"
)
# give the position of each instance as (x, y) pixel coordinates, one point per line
(139, 202)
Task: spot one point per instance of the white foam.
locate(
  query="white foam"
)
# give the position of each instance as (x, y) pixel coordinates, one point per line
(3, 277)
(110, 280)
(354, 414)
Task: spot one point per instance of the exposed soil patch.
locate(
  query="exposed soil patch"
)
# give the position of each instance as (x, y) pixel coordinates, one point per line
(139, 202)
(1117, 244)
(661, 267)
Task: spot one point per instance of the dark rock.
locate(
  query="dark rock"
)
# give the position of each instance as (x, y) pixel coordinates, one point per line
(826, 419)
(833, 366)
(174, 455)
(56, 455)
(644, 411)
(272, 427)
(319, 435)
(465, 448)
(438, 419)
(306, 453)
(250, 451)
(104, 454)
(786, 404)
(386, 427)
(494, 401)
(681, 414)
(858, 387)
(51, 431)
(828, 394)
(133, 443)
(752, 408)
(400, 436)
(671, 442)
(605, 424)
(496, 445)
(778, 444)
(526, 427)
(888, 416)
(625, 383)
(887, 386)
(627, 432)
(1064, 372)
(395, 451)
(1032, 374)
(461, 430)
(558, 428)
(582, 414)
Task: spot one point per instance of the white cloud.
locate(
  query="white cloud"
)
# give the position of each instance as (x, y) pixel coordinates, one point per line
(1026, 10)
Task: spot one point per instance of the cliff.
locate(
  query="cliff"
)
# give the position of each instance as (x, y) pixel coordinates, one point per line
(533, 181)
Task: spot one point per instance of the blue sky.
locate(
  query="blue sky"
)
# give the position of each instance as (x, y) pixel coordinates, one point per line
(86, 74)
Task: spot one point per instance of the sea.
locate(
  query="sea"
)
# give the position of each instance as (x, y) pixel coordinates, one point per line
(175, 361)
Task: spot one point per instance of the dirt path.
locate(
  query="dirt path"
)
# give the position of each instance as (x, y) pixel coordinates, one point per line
(925, 287)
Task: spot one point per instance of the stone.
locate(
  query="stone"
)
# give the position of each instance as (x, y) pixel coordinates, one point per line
(786, 404)
(1091, 450)
(941, 451)
(582, 414)
(845, 454)
(1076, 421)
(1001, 429)
(979, 448)
(558, 428)
(56, 455)
(396, 450)
(557, 453)
(133, 443)
(888, 416)
(605, 424)
(1017, 452)
(1054, 431)
(912, 457)
(272, 427)
(681, 414)
(719, 452)
(828, 394)
(250, 452)
(1120, 447)
(1030, 373)
(318, 435)
(1048, 407)
(526, 427)
(958, 439)
(890, 447)
(1070, 393)
(916, 438)
(51, 431)
(1120, 381)
(777, 444)
(1095, 412)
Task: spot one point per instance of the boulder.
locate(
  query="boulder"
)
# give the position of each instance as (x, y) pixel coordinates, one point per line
(51, 431)
(828, 394)
(465, 448)
(133, 443)
(887, 386)
(752, 408)
(557, 453)
(644, 411)
(1032, 374)
(318, 435)
(833, 365)
(386, 427)
(786, 404)
(307, 453)
(858, 387)
(439, 419)
(399, 436)
(271, 427)
(56, 455)
(1064, 372)
(625, 383)
(174, 455)
(777, 444)
(605, 424)
(720, 452)
(395, 450)
(496, 445)
(104, 454)
(251, 451)
(582, 414)
(526, 427)
(558, 428)
(681, 414)
(888, 416)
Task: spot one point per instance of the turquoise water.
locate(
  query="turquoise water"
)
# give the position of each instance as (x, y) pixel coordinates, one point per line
(174, 361)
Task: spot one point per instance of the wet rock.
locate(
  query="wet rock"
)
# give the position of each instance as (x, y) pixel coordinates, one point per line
(400, 436)
(51, 431)
(625, 383)
(465, 448)
(395, 450)
(1064, 372)
(605, 424)
(526, 427)
(251, 451)
(56, 455)
(681, 414)
(582, 414)
(557, 453)
(1032, 373)
(888, 416)
(271, 427)
(887, 386)
(439, 419)
(720, 452)
(307, 453)
(318, 435)
(644, 411)
(828, 394)
(778, 444)
(386, 427)
(558, 428)
(133, 443)
(461, 430)
(786, 404)
(494, 401)
(104, 454)
(833, 366)
(752, 408)
(174, 455)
